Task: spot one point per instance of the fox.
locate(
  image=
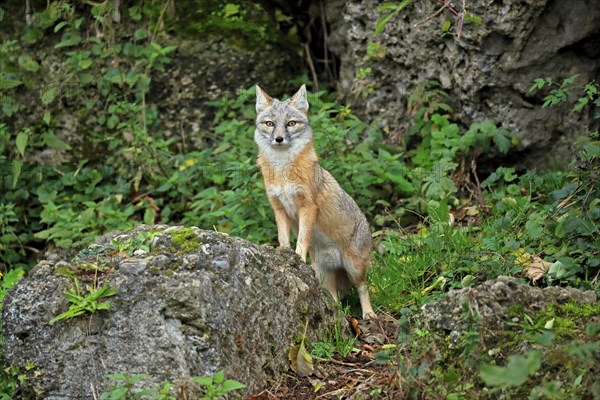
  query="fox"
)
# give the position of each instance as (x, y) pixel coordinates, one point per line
(306, 199)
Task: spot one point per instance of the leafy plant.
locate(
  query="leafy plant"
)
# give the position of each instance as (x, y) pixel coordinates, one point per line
(90, 303)
(125, 387)
(338, 341)
(516, 373)
(216, 385)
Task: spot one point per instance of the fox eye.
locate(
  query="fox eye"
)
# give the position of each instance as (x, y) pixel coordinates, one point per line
(270, 124)
(291, 123)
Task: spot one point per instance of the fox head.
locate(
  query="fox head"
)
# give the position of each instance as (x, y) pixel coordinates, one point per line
(282, 125)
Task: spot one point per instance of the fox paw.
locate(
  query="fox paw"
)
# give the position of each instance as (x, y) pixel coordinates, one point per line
(369, 315)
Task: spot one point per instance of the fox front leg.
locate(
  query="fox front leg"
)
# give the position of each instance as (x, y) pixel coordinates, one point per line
(306, 223)
(284, 224)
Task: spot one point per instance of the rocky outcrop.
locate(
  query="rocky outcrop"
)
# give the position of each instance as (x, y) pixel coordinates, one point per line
(498, 301)
(188, 303)
(487, 72)
(485, 334)
(206, 71)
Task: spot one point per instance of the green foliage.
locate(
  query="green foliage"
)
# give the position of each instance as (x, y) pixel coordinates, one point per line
(461, 16)
(81, 304)
(243, 23)
(7, 380)
(392, 10)
(216, 385)
(123, 388)
(560, 93)
(127, 387)
(338, 341)
(516, 373)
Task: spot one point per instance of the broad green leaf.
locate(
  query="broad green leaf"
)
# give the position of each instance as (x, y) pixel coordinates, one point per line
(534, 226)
(28, 63)
(47, 118)
(502, 139)
(60, 25)
(203, 380)
(68, 40)
(49, 95)
(231, 385)
(149, 216)
(586, 227)
(140, 34)
(9, 83)
(32, 35)
(515, 374)
(473, 18)
(219, 377)
(135, 13)
(21, 142)
(52, 141)
(84, 64)
(446, 26)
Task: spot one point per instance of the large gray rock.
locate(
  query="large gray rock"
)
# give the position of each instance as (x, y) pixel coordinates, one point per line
(196, 303)
(487, 73)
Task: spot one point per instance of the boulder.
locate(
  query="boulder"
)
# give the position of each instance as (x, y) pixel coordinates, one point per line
(487, 72)
(189, 303)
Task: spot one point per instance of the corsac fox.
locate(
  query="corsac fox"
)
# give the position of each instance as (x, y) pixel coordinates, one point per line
(327, 223)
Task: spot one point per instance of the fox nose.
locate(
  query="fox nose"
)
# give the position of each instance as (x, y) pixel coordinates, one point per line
(279, 139)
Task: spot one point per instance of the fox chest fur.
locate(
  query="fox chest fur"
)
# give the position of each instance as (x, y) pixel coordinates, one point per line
(290, 183)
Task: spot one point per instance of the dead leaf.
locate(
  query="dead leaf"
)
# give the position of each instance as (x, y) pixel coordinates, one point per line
(317, 384)
(354, 325)
(535, 268)
(300, 361)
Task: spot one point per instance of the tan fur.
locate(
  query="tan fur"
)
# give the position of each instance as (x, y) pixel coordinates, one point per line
(307, 200)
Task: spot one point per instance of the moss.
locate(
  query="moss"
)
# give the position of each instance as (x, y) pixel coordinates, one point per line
(185, 240)
(303, 310)
(574, 309)
(515, 310)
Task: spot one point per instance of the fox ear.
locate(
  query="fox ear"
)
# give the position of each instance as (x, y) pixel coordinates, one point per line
(299, 101)
(263, 100)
